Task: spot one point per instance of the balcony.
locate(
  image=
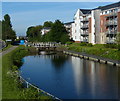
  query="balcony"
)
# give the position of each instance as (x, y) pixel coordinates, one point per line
(85, 20)
(111, 23)
(85, 40)
(84, 27)
(110, 41)
(111, 33)
(84, 34)
(113, 14)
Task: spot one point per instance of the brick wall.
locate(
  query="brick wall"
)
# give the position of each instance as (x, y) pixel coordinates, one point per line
(90, 22)
(103, 23)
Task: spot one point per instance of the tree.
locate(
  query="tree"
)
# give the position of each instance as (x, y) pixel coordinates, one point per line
(7, 31)
(34, 33)
(57, 31)
(48, 24)
(0, 29)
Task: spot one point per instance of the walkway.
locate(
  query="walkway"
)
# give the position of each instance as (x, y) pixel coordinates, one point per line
(93, 57)
(1, 54)
(8, 50)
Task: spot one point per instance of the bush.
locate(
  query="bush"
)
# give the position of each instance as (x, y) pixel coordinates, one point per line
(14, 67)
(89, 44)
(86, 44)
(83, 44)
(115, 46)
(69, 42)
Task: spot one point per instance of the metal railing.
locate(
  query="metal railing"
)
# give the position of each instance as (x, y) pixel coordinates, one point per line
(46, 44)
(110, 41)
(38, 89)
(111, 22)
(111, 32)
(112, 14)
(84, 20)
(84, 26)
(84, 34)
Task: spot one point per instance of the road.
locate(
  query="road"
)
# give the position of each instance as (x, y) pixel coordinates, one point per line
(8, 50)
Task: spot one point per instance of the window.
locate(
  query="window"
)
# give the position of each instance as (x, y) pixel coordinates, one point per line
(75, 37)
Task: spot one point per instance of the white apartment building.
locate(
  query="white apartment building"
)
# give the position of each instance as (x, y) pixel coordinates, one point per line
(45, 30)
(97, 26)
(80, 25)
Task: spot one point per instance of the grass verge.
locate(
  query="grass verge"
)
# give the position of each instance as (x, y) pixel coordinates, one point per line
(11, 87)
(98, 50)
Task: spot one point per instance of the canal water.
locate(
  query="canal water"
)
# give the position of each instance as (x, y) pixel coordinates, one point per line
(69, 77)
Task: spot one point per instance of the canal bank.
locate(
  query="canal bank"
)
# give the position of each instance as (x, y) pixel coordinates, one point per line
(12, 88)
(93, 57)
(80, 78)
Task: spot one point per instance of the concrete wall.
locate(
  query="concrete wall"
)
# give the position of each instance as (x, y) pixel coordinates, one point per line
(97, 26)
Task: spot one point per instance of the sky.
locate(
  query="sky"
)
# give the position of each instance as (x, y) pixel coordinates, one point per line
(26, 14)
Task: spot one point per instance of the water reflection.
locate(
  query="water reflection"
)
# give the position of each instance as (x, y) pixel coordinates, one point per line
(92, 78)
(71, 77)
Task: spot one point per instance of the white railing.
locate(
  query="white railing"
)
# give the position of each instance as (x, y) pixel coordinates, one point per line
(38, 89)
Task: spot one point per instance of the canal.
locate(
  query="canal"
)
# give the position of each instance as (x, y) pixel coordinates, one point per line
(69, 77)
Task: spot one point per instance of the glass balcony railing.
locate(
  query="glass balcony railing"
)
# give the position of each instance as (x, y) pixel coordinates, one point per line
(84, 26)
(84, 34)
(111, 22)
(85, 40)
(111, 32)
(85, 20)
(112, 14)
(111, 40)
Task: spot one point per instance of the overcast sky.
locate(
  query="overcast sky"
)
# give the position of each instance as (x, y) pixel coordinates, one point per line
(25, 14)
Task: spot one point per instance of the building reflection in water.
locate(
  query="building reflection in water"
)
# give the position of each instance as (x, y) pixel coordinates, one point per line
(92, 78)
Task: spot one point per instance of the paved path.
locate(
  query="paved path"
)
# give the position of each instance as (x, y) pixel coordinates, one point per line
(8, 50)
(94, 56)
(1, 54)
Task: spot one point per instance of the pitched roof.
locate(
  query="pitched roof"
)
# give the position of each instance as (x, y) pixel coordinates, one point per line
(68, 23)
(109, 6)
(85, 11)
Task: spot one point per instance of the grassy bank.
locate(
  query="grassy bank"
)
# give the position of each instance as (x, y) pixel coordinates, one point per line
(12, 88)
(98, 50)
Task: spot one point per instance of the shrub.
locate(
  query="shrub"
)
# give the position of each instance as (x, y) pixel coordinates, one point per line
(89, 44)
(14, 67)
(69, 42)
(115, 46)
(83, 44)
(86, 44)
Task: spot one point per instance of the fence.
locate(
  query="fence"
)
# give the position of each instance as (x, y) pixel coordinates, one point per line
(38, 89)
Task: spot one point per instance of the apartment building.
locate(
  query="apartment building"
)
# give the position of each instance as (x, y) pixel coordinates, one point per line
(80, 26)
(97, 26)
(45, 30)
(68, 27)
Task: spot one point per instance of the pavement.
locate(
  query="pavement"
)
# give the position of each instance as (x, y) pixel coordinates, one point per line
(8, 50)
(97, 57)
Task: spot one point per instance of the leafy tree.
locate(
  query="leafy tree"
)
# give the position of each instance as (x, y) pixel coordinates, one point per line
(57, 31)
(0, 29)
(48, 24)
(34, 33)
(7, 31)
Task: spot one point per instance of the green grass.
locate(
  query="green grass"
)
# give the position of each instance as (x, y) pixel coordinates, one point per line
(11, 88)
(0, 78)
(97, 49)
